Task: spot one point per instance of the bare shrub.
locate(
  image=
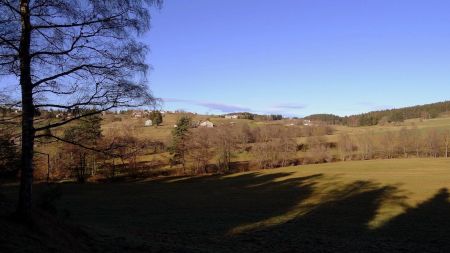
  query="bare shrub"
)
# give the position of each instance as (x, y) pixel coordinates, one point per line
(365, 145)
(200, 149)
(317, 150)
(277, 152)
(345, 147)
(226, 143)
(433, 143)
(245, 133)
(126, 147)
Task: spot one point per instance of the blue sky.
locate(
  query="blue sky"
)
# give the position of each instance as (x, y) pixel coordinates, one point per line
(299, 57)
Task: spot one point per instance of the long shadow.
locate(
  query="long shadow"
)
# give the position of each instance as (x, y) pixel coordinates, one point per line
(185, 212)
(425, 228)
(340, 224)
(275, 210)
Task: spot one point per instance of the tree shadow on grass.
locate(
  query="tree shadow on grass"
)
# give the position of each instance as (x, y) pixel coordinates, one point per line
(275, 212)
(258, 212)
(183, 213)
(335, 223)
(424, 228)
(340, 224)
(217, 203)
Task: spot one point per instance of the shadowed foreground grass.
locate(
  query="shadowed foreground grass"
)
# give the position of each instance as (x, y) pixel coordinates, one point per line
(368, 206)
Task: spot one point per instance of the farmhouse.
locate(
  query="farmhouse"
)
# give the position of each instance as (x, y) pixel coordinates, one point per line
(207, 124)
(148, 123)
(137, 114)
(140, 114)
(307, 122)
(233, 116)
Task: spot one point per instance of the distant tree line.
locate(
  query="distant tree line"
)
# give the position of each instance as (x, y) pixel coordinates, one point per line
(405, 143)
(253, 116)
(330, 119)
(385, 116)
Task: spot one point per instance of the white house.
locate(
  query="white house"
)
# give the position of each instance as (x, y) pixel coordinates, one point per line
(207, 124)
(307, 122)
(231, 116)
(137, 114)
(148, 123)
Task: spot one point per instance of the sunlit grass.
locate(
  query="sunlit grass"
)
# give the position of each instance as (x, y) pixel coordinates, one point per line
(362, 201)
(416, 181)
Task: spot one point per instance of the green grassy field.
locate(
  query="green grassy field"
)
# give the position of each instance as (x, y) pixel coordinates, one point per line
(422, 124)
(397, 205)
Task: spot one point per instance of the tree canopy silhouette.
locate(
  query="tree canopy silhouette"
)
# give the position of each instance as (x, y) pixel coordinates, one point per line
(71, 54)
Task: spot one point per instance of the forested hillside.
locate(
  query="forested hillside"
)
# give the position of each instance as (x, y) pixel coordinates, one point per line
(385, 116)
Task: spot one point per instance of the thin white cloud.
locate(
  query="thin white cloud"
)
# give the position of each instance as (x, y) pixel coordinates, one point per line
(295, 106)
(222, 107)
(281, 108)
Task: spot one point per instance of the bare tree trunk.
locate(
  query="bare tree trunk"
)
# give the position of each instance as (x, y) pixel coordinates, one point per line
(446, 147)
(28, 132)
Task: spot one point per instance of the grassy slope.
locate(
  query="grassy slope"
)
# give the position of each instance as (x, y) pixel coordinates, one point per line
(370, 206)
(162, 132)
(438, 123)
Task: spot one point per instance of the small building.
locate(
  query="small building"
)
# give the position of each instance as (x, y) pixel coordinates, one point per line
(233, 116)
(137, 114)
(307, 122)
(207, 124)
(148, 122)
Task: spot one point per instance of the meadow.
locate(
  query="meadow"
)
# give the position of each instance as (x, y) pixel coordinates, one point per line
(96, 157)
(397, 205)
(361, 204)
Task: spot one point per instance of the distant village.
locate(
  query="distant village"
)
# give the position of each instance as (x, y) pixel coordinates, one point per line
(147, 115)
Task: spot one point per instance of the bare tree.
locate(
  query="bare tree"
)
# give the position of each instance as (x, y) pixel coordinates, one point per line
(345, 146)
(200, 149)
(246, 135)
(388, 144)
(365, 144)
(276, 152)
(317, 150)
(225, 141)
(446, 138)
(433, 142)
(417, 139)
(404, 139)
(68, 55)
